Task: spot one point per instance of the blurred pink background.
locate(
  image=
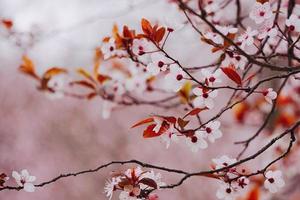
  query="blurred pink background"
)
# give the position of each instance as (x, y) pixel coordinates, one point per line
(67, 135)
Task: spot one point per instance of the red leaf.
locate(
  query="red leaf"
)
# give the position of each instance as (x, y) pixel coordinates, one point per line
(144, 121)
(254, 194)
(149, 182)
(103, 78)
(159, 34)
(146, 27)
(194, 112)
(232, 74)
(149, 133)
(171, 120)
(7, 23)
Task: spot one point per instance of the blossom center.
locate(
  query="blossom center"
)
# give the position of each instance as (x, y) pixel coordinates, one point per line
(111, 48)
(228, 190)
(212, 79)
(292, 27)
(208, 130)
(194, 139)
(161, 64)
(261, 13)
(179, 77)
(271, 180)
(205, 95)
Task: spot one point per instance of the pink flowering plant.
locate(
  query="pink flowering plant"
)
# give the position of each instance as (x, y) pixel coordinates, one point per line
(255, 78)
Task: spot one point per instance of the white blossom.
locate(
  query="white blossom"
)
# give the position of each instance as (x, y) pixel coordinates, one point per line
(141, 46)
(211, 131)
(223, 161)
(261, 12)
(216, 38)
(174, 80)
(270, 95)
(212, 77)
(204, 98)
(293, 23)
(158, 63)
(110, 187)
(196, 142)
(23, 179)
(226, 192)
(274, 181)
(267, 29)
(247, 38)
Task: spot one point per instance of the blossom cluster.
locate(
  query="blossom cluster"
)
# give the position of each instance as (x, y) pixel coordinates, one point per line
(134, 184)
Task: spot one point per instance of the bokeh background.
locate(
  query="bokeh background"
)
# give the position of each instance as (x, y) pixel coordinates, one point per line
(52, 137)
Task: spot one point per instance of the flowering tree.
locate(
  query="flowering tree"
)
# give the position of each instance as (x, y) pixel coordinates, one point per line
(254, 78)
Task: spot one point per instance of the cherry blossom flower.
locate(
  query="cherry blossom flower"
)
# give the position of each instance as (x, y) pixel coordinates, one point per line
(216, 38)
(141, 46)
(238, 61)
(109, 49)
(223, 161)
(270, 95)
(247, 38)
(211, 77)
(267, 29)
(132, 183)
(204, 98)
(23, 179)
(261, 12)
(225, 30)
(110, 187)
(226, 192)
(293, 23)
(174, 80)
(159, 63)
(211, 131)
(196, 142)
(274, 181)
(169, 136)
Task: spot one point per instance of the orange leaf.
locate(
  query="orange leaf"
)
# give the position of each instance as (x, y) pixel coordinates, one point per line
(7, 23)
(27, 67)
(83, 83)
(182, 123)
(195, 111)
(102, 78)
(85, 74)
(146, 27)
(144, 121)
(91, 95)
(53, 72)
(232, 74)
(97, 60)
(254, 194)
(159, 34)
